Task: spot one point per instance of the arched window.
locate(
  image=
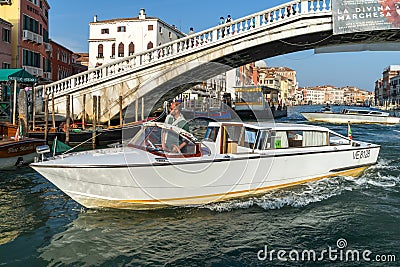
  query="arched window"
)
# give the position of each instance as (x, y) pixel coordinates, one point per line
(150, 45)
(113, 51)
(131, 49)
(100, 51)
(121, 50)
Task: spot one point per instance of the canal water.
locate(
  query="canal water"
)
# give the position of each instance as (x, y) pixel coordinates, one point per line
(337, 219)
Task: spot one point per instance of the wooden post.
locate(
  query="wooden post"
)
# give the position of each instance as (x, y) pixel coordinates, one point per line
(72, 109)
(53, 114)
(142, 108)
(98, 109)
(33, 106)
(94, 122)
(46, 115)
(137, 109)
(84, 112)
(67, 119)
(109, 113)
(120, 110)
(14, 102)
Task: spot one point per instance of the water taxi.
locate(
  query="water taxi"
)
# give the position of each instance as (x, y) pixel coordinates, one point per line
(352, 116)
(233, 160)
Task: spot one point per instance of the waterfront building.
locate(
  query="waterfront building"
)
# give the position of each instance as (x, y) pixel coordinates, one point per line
(117, 38)
(5, 44)
(356, 96)
(281, 78)
(290, 74)
(395, 90)
(29, 34)
(385, 98)
(314, 95)
(80, 62)
(61, 61)
(379, 92)
(242, 76)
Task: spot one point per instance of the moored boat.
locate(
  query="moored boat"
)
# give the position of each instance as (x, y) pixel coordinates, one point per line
(16, 152)
(352, 116)
(234, 160)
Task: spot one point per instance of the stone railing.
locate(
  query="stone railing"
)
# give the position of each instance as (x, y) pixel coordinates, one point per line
(189, 44)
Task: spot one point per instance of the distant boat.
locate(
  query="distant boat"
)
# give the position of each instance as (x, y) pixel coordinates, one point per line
(352, 116)
(251, 103)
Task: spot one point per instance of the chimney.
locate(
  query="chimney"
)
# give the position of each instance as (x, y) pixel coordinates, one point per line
(95, 18)
(142, 14)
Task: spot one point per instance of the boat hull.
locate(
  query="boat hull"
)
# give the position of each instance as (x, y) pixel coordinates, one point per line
(13, 153)
(345, 118)
(142, 186)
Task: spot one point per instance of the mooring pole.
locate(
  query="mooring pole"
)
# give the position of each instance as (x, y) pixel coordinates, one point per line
(94, 122)
(68, 119)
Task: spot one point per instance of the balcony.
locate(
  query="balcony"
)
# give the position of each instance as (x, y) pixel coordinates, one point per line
(32, 37)
(34, 71)
(47, 75)
(5, 2)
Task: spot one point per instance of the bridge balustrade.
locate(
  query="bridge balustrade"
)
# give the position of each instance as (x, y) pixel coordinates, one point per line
(189, 44)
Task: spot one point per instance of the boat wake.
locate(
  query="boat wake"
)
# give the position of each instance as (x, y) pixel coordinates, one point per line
(303, 195)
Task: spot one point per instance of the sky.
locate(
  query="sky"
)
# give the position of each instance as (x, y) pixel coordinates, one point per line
(69, 26)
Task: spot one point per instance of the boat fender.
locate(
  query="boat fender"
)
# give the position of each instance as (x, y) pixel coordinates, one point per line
(20, 162)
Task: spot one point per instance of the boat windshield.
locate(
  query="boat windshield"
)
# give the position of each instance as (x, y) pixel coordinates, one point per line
(166, 139)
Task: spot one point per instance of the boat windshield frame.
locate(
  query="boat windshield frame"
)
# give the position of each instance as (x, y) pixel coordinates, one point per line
(149, 138)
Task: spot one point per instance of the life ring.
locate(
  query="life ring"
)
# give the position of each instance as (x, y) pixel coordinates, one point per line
(63, 126)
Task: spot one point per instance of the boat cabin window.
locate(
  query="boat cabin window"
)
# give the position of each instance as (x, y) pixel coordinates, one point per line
(250, 136)
(315, 138)
(281, 140)
(336, 140)
(211, 134)
(231, 137)
(164, 140)
(264, 140)
(250, 96)
(290, 139)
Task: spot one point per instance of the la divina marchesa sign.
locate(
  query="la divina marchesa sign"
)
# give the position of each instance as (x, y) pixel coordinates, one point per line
(365, 15)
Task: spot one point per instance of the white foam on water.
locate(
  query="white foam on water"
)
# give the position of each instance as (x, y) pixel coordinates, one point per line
(317, 191)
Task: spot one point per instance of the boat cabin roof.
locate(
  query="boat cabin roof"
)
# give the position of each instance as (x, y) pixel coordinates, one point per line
(273, 126)
(365, 112)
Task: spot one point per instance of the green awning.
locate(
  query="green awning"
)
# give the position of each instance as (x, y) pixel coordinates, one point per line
(19, 75)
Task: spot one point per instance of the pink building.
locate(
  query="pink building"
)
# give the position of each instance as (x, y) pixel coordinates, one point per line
(5, 44)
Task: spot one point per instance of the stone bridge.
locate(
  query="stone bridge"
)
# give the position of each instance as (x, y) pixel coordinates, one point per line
(159, 74)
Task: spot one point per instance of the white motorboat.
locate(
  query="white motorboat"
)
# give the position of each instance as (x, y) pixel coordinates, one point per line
(352, 116)
(234, 160)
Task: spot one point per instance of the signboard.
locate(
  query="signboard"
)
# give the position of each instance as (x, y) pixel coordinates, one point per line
(365, 15)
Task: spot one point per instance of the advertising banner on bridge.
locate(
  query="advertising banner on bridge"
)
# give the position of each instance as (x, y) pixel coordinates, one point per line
(365, 15)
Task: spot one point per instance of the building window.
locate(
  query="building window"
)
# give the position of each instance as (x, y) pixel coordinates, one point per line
(121, 50)
(113, 51)
(105, 31)
(30, 24)
(6, 65)
(121, 29)
(131, 49)
(160, 30)
(100, 51)
(150, 45)
(149, 27)
(6, 35)
(31, 58)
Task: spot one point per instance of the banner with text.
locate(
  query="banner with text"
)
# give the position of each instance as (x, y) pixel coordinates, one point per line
(365, 15)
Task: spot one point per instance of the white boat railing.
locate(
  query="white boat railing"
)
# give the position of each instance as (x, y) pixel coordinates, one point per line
(189, 44)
